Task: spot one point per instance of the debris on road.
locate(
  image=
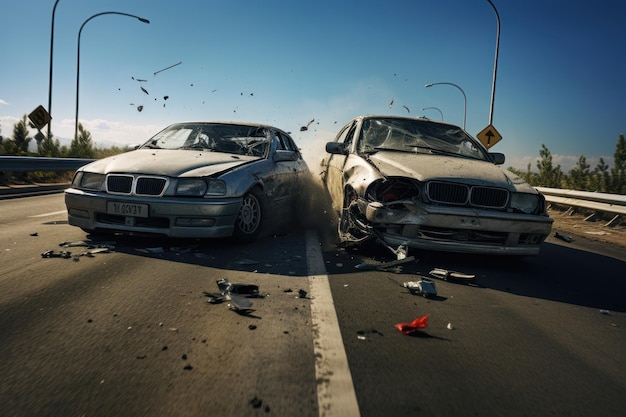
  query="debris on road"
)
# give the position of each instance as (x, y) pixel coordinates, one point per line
(236, 294)
(425, 287)
(454, 276)
(384, 265)
(88, 244)
(564, 238)
(363, 334)
(412, 327)
(91, 252)
(52, 254)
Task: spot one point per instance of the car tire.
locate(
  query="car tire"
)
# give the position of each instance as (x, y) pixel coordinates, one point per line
(250, 217)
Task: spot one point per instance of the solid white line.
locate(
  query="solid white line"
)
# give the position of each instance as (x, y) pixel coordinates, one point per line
(335, 390)
(54, 213)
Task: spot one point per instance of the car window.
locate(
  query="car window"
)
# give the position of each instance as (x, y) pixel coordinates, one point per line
(214, 137)
(285, 143)
(346, 135)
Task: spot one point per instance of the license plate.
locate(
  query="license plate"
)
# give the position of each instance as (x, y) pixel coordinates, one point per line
(127, 209)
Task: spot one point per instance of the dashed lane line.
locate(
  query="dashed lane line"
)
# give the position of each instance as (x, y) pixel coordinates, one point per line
(54, 213)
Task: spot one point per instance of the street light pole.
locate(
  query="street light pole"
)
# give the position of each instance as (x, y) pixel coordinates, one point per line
(464, 98)
(434, 108)
(54, 9)
(141, 19)
(495, 62)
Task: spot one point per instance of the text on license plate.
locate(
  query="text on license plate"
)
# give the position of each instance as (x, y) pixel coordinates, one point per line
(127, 209)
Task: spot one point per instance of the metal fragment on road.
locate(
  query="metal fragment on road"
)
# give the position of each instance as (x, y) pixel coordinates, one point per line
(52, 254)
(564, 238)
(454, 276)
(384, 265)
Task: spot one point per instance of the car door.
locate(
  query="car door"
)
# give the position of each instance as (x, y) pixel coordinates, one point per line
(334, 176)
(287, 167)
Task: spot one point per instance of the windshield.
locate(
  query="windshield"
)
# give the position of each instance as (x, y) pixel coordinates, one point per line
(417, 136)
(214, 137)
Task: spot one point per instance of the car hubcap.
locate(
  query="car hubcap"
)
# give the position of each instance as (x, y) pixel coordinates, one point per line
(249, 217)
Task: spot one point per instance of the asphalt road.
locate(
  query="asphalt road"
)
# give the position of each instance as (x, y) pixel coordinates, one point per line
(132, 333)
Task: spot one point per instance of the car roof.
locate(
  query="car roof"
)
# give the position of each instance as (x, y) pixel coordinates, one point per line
(388, 116)
(230, 122)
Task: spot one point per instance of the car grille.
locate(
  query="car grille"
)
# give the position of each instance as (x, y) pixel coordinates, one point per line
(460, 194)
(136, 185)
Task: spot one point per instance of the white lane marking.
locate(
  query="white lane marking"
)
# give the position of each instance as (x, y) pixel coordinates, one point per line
(335, 390)
(54, 213)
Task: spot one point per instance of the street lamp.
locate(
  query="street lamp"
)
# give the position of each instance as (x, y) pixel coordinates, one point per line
(434, 108)
(141, 19)
(464, 98)
(54, 9)
(495, 62)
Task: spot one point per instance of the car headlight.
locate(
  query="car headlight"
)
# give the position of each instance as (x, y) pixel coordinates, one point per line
(524, 202)
(191, 187)
(89, 180)
(215, 187)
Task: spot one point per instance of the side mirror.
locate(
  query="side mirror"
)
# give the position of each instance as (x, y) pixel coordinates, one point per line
(336, 148)
(497, 157)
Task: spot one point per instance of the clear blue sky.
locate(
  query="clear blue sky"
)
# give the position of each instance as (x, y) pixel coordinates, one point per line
(561, 78)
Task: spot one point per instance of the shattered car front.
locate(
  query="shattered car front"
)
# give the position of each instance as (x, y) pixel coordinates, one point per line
(191, 180)
(429, 185)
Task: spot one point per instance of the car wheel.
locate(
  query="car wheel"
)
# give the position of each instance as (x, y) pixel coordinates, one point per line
(250, 217)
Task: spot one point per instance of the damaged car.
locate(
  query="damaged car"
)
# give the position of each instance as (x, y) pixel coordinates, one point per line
(429, 185)
(191, 180)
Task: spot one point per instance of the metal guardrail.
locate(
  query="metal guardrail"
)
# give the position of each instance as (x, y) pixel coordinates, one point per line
(596, 202)
(30, 163)
(600, 202)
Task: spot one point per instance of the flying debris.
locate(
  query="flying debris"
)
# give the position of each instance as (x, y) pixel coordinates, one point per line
(139, 108)
(166, 97)
(166, 68)
(141, 80)
(305, 128)
(391, 103)
(407, 109)
(144, 90)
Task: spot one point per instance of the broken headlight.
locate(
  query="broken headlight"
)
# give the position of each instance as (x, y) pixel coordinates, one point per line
(88, 180)
(215, 187)
(526, 203)
(192, 187)
(394, 189)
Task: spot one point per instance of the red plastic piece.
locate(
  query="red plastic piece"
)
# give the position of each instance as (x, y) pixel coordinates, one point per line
(412, 327)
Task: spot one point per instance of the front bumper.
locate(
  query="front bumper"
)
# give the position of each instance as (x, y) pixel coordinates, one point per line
(173, 217)
(458, 229)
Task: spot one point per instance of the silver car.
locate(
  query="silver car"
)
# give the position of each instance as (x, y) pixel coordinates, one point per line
(191, 180)
(429, 185)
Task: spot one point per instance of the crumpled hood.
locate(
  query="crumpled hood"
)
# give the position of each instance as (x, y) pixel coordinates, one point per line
(425, 167)
(167, 162)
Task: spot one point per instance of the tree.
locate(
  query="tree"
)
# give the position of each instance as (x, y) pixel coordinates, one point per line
(579, 176)
(600, 178)
(20, 136)
(618, 173)
(548, 175)
(82, 146)
(49, 148)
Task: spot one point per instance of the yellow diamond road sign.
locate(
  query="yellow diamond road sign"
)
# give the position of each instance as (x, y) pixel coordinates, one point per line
(489, 136)
(40, 117)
